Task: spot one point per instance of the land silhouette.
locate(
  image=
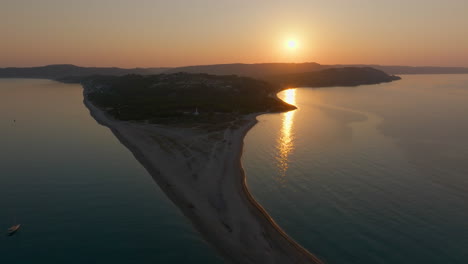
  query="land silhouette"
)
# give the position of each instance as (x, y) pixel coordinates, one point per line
(260, 70)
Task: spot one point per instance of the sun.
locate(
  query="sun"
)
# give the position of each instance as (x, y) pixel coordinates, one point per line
(291, 44)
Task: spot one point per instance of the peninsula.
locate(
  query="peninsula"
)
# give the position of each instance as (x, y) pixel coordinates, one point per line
(187, 130)
(195, 158)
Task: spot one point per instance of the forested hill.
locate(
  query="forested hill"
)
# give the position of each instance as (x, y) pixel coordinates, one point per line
(174, 98)
(348, 76)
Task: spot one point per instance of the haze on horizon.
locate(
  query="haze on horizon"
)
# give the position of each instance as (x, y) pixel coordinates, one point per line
(153, 33)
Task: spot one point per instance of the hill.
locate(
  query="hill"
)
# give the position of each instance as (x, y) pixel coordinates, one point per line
(259, 70)
(173, 98)
(348, 76)
(265, 70)
(66, 70)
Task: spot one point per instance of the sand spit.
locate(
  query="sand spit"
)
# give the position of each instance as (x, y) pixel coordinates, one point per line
(201, 172)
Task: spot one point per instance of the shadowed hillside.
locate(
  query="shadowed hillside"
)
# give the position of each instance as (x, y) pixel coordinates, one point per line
(263, 70)
(259, 70)
(348, 76)
(66, 70)
(175, 97)
(171, 98)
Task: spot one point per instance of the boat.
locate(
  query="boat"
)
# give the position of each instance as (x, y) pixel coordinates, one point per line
(13, 229)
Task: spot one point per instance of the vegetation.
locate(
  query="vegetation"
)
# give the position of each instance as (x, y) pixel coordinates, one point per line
(186, 98)
(348, 76)
(174, 98)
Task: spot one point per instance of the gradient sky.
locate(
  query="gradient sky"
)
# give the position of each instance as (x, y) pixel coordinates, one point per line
(152, 33)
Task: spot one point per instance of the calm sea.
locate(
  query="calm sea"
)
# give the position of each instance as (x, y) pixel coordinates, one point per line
(365, 175)
(79, 194)
(370, 174)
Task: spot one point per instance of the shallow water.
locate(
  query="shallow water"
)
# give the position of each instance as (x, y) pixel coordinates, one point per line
(369, 174)
(80, 195)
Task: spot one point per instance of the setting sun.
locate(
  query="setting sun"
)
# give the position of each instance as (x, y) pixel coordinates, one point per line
(291, 44)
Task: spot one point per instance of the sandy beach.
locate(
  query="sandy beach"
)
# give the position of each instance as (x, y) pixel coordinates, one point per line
(201, 172)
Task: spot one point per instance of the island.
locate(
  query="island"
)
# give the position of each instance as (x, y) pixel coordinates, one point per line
(187, 130)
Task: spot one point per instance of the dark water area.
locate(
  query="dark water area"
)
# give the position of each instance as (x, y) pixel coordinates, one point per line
(79, 194)
(369, 174)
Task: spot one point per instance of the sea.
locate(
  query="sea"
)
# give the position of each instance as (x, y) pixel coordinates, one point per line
(80, 195)
(369, 174)
(357, 175)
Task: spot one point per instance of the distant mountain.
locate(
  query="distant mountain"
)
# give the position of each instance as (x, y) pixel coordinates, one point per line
(263, 70)
(415, 70)
(67, 70)
(298, 74)
(258, 70)
(347, 76)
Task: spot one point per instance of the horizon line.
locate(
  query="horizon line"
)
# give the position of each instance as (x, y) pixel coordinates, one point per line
(234, 63)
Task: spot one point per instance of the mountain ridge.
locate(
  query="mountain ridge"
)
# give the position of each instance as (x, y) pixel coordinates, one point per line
(257, 70)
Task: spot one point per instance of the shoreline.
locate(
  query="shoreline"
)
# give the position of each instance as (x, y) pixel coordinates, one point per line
(237, 226)
(262, 210)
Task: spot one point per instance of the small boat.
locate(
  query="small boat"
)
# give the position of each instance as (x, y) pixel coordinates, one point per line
(13, 229)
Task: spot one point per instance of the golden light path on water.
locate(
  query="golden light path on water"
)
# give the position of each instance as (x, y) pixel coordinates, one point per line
(286, 138)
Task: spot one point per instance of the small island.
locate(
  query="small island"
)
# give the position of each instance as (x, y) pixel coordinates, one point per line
(188, 130)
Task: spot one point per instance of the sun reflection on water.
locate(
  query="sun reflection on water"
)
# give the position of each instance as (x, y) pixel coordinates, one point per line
(286, 138)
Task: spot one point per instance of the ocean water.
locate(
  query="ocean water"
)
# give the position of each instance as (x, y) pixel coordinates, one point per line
(370, 174)
(79, 194)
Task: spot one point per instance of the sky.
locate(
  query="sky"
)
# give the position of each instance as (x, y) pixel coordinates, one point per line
(155, 33)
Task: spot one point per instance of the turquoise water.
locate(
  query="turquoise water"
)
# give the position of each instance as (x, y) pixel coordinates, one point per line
(370, 174)
(79, 194)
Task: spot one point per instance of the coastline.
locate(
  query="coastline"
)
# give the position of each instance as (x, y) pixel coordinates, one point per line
(220, 205)
(263, 213)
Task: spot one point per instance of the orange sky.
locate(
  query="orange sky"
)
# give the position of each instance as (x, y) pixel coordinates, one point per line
(152, 33)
